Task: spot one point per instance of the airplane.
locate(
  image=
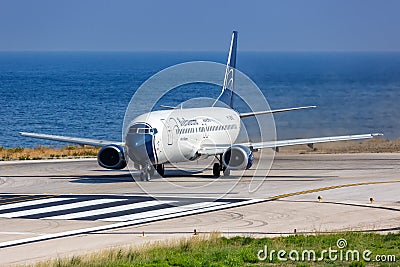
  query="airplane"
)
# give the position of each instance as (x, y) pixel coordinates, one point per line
(174, 135)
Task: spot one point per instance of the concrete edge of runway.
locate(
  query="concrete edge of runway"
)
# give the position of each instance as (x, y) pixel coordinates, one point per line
(30, 161)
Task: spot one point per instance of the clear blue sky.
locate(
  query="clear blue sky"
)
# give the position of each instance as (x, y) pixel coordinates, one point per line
(283, 25)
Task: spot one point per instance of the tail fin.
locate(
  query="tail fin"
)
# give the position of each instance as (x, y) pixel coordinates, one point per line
(226, 94)
(232, 51)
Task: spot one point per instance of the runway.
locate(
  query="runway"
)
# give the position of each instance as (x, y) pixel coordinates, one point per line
(44, 199)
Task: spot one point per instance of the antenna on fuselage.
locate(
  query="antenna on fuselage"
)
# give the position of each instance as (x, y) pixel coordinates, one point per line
(229, 73)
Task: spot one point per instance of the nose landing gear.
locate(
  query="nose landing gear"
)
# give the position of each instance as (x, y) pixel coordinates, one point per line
(148, 171)
(145, 176)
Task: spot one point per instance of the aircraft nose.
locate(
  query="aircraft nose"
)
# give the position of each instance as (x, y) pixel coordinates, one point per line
(140, 147)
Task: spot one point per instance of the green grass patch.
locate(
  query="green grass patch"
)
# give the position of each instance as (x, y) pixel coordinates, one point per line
(214, 250)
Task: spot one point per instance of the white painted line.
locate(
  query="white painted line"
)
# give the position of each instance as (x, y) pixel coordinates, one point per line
(159, 212)
(107, 210)
(31, 203)
(58, 207)
(124, 224)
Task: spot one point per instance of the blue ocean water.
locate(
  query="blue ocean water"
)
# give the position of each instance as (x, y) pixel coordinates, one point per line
(85, 94)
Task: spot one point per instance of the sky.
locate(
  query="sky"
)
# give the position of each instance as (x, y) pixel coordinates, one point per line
(206, 25)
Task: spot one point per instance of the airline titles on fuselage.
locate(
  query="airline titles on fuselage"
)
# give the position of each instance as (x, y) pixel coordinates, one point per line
(201, 125)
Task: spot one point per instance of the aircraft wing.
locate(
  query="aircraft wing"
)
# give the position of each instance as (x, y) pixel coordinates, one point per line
(215, 150)
(74, 140)
(257, 113)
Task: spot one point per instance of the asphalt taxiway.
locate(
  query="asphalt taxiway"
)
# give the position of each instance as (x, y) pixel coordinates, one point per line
(73, 206)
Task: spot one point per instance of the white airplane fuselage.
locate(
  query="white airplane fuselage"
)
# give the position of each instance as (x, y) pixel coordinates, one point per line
(176, 135)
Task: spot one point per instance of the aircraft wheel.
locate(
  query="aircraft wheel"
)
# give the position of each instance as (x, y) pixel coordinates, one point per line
(151, 171)
(145, 176)
(160, 169)
(227, 172)
(216, 170)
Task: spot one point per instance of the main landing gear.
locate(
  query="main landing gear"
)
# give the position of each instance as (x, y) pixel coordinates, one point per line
(218, 167)
(160, 169)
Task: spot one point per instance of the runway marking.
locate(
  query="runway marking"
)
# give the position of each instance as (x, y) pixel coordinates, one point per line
(89, 213)
(123, 208)
(30, 203)
(37, 211)
(158, 212)
(24, 198)
(128, 223)
(104, 208)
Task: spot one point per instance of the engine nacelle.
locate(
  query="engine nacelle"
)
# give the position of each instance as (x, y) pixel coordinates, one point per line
(111, 157)
(238, 157)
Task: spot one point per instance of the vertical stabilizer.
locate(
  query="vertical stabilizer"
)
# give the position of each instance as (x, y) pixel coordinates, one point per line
(226, 95)
(232, 51)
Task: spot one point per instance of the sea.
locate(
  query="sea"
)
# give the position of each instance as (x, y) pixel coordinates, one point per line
(85, 94)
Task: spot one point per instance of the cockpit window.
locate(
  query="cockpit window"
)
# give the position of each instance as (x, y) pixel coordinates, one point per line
(142, 129)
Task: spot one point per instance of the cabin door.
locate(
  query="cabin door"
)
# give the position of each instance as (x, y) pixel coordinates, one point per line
(169, 132)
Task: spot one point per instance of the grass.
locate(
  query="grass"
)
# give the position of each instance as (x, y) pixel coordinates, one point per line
(214, 250)
(41, 152)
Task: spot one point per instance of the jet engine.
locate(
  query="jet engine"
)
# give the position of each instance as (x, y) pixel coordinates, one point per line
(111, 157)
(238, 157)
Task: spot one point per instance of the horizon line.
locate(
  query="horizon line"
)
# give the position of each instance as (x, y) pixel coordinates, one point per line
(198, 51)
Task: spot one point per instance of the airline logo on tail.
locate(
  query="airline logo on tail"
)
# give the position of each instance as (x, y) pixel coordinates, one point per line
(226, 96)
